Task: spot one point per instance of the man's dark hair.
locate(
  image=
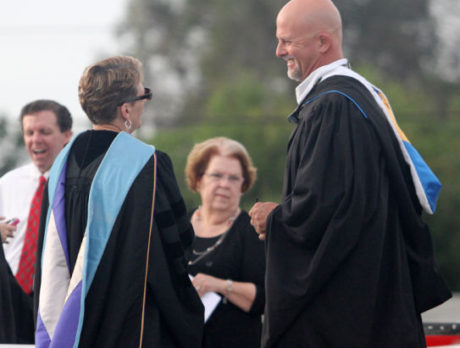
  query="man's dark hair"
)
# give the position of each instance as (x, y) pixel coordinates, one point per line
(63, 117)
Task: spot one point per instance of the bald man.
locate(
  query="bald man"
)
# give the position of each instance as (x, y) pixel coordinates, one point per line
(349, 260)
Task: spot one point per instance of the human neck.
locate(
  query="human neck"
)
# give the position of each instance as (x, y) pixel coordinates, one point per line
(210, 223)
(109, 127)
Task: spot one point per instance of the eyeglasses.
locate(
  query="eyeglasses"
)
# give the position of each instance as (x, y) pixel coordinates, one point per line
(147, 95)
(215, 177)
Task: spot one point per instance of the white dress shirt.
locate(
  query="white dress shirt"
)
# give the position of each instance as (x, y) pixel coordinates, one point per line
(17, 188)
(339, 67)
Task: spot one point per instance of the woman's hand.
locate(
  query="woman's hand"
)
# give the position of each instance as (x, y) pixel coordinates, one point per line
(204, 283)
(241, 294)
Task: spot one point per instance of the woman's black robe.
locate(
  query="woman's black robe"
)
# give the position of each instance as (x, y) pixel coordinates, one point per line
(113, 305)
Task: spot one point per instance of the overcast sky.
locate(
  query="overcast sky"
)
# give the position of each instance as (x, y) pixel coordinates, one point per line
(45, 46)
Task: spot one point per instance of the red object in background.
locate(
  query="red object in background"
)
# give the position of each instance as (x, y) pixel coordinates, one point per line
(444, 340)
(442, 334)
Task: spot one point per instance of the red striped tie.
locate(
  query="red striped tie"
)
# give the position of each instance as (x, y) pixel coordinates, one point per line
(26, 267)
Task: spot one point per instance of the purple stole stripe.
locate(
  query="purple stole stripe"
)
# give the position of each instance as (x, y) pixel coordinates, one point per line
(59, 213)
(64, 335)
(42, 339)
(56, 190)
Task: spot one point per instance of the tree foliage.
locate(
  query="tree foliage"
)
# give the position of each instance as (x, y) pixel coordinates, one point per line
(397, 37)
(191, 48)
(12, 145)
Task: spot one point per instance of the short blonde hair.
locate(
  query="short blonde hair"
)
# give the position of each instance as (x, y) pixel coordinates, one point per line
(198, 160)
(105, 84)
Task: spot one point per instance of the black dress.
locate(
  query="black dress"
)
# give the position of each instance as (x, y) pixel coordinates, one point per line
(240, 257)
(113, 306)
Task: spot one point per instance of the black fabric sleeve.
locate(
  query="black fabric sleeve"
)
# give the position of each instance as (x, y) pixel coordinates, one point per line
(177, 300)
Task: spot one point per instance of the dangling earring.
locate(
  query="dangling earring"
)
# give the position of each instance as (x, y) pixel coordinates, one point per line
(128, 124)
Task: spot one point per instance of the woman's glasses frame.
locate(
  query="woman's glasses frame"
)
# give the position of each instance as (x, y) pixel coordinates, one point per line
(147, 95)
(233, 179)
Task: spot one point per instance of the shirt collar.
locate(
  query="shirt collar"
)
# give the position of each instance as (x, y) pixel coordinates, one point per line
(37, 173)
(317, 75)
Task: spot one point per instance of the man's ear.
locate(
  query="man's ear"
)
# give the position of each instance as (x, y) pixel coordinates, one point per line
(68, 134)
(324, 42)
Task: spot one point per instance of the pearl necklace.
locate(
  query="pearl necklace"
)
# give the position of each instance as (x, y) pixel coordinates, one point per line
(197, 215)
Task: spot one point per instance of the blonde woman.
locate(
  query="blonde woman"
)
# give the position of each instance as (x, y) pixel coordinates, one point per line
(111, 272)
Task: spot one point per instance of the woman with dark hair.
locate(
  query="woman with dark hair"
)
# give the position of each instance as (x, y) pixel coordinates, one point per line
(112, 272)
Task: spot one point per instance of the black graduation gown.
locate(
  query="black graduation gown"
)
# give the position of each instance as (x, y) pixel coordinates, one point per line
(349, 260)
(113, 306)
(16, 315)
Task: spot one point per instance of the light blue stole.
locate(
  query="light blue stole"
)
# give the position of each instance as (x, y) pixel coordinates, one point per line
(426, 183)
(62, 294)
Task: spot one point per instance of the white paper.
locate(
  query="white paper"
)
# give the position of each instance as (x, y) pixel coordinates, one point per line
(210, 301)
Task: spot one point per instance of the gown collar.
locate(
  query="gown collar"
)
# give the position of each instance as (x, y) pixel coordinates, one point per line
(307, 85)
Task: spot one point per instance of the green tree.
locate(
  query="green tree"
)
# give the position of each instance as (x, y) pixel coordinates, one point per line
(398, 37)
(190, 48)
(12, 145)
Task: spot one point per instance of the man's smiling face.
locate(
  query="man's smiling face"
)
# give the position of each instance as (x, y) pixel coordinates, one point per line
(43, 138)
